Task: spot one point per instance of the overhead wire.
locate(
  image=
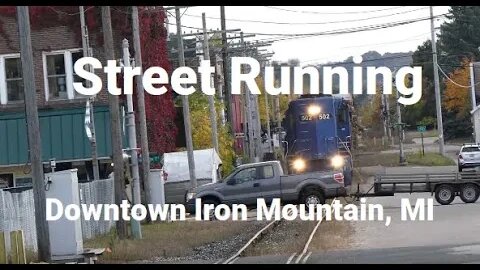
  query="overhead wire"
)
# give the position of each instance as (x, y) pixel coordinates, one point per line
(331, 32)
(330, 13)
(452, 81)
(66, 13)
(311, 23)
(286, 36)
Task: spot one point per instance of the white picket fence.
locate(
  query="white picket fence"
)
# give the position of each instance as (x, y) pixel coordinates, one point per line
(17, 210)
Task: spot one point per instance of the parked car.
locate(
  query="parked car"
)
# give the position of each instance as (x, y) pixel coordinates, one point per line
(469, 156)
(267, 180)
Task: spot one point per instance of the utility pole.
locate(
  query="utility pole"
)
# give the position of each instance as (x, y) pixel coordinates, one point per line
(389, 130)
(33, 130)
(228, 96)
(220, 84)
(257, 128)
(141, 106)
(400, 127)
(472, 86)
(211, 98)
(116, 132)
(93, 139)
(384, 117)
(473, 98)
(248, 123)
(132, 142)
(438, 101)
(267, 111)
(185, 105)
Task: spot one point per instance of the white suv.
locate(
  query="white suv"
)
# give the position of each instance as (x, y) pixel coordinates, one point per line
(469, 156)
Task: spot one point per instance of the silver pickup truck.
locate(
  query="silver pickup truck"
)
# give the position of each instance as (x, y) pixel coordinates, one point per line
(267, 180)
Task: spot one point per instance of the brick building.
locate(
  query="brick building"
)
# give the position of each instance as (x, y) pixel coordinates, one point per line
(61, 109)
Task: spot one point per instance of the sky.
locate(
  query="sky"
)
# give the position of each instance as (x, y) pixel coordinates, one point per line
(275, 22)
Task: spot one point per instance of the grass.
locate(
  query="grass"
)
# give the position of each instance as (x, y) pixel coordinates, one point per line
(370, 146)
(416, 134)
(169, 239)
(393, 160)
(459, 141)
(429, 159)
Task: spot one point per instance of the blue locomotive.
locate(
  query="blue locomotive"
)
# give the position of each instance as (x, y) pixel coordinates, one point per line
(319, 135)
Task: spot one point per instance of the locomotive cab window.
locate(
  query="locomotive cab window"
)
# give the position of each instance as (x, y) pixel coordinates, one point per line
(342, 114)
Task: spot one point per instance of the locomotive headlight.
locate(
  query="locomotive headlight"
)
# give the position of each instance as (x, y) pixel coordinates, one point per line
(314, 110)
(299, 164)
(338, 161)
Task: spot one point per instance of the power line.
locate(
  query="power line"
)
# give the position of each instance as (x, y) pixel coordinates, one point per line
(313, 23)
(455, 83)
(354, 29)
(331, 13)
(372, 44)
(66, 13)
(284, 36)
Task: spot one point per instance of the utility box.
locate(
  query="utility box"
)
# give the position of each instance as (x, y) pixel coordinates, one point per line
(157, 186)
(65, 235)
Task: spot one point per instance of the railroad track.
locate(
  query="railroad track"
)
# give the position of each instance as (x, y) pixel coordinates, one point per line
(297, 257)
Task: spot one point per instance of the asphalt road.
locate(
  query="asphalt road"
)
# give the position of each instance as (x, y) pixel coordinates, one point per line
(449, 238)
(457, 223)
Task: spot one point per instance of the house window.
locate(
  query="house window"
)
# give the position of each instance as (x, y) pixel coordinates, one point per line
(59, 74)
(11, 81)
(6, 180)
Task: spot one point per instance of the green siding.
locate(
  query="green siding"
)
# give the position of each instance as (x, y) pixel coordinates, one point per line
(62, 134)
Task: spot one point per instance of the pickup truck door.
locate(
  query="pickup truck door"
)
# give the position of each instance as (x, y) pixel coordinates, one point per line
(244, 189)
(269, 182)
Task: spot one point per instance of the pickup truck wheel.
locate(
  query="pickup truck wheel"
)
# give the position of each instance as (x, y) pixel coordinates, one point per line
(312, 196)
(469, 193)
(444, 194)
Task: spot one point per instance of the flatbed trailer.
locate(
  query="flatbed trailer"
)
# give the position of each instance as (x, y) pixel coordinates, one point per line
(445, 186)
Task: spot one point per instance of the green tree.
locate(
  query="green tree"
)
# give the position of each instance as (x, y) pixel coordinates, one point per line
(412, 114)
(202, 130)
(459, 36)
(458, 42)
(370, 116)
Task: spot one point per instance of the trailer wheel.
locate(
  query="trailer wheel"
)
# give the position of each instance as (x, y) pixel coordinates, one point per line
(469, 193)
(444, 194)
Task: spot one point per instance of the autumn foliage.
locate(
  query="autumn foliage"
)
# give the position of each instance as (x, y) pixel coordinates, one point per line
(202, 130)
(457, 98)
(160, 110)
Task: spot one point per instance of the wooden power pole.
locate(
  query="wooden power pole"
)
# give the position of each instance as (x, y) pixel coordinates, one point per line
(185, 105)
(228, 95)
(93, 139)
(33, 130)
(211, 98)
(116, 132)
(141, 106)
